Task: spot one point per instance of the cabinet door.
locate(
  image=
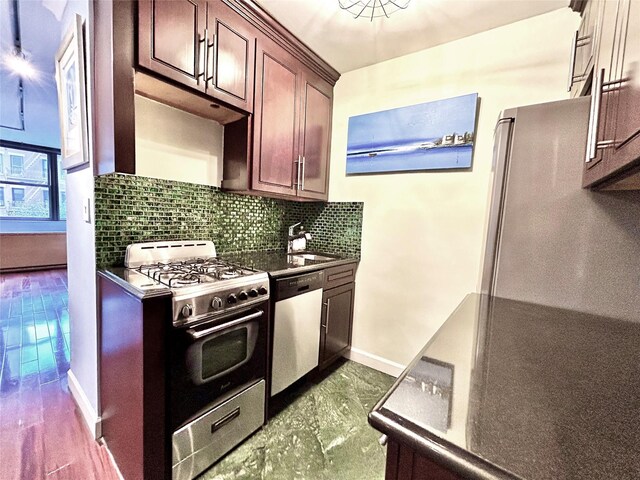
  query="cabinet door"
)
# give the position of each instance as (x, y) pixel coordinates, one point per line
(600, 126)
(171, 39)
(337, 317)
(626, 132)
(315, 137)
(230, 56)
(276, 120)
(584, 49)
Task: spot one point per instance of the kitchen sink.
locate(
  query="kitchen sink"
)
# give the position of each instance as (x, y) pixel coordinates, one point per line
(311, 256)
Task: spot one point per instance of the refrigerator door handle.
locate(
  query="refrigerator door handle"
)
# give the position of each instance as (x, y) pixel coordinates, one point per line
(501, 154)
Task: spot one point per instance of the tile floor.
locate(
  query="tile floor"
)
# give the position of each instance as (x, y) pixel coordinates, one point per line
(319, 433)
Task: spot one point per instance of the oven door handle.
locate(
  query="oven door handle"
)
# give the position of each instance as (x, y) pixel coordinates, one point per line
(195, 334)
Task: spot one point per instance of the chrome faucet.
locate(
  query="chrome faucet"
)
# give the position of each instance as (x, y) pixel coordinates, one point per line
(292, 227)
(297, 243)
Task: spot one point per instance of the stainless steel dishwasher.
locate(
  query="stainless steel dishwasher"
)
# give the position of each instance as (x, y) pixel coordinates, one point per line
(296, 329)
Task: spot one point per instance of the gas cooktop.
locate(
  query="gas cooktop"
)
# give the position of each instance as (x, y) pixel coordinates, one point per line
(202, 284)
(195, 271)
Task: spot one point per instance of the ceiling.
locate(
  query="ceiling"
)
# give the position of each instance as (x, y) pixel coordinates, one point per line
(347, 43)
(40, 31)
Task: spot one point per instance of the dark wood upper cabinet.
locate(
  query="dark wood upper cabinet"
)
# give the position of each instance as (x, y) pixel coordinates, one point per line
(230, 56)
(292, 126)
(315, 137)
(613, 150)
(583, 49)
(171, 39)
(276, 120)
(272, 93)
(204, 45)
(626, 132)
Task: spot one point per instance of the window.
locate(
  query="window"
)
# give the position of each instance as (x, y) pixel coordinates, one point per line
(36, 182)
(17, 164)
(17, 195)
(1, 196)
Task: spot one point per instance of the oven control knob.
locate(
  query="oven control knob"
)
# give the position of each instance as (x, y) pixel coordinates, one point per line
(253, 293)
(243, 295)
(231, 299)
(262, 290)
(216, 303)
(187, 310)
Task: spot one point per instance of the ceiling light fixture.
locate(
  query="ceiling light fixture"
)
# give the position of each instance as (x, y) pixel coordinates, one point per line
(372, 8)
(16, 62)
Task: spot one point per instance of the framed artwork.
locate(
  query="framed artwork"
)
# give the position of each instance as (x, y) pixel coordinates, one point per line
(72, 97)
(436, 135)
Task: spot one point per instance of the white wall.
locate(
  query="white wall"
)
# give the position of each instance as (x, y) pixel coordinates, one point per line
(423, 233)
(177, 145)
(81, 259)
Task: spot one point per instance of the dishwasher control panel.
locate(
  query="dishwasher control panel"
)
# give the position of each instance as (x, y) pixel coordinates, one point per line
(298, 284)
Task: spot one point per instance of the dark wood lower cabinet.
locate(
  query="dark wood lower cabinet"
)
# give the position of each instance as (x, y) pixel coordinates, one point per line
(404, 463)
(337, 318)
(132, 380)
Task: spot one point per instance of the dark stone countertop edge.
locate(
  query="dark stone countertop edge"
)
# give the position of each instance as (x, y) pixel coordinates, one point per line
(436, 449)
(140, 294)
(431, 446)
(287, 272)
(312, 268)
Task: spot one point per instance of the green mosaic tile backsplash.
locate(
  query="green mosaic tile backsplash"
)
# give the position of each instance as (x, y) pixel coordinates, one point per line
(131, 209)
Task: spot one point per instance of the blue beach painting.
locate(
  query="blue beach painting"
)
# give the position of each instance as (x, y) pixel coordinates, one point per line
(428, 136)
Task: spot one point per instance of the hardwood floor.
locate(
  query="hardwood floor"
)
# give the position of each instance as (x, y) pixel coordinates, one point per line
(42, 434)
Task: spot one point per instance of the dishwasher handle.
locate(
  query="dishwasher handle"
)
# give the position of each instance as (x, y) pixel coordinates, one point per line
(298, 285)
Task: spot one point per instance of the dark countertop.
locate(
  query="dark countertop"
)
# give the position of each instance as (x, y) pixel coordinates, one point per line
(280, 264)
(134, 282)
(277, 264)
(507, 389)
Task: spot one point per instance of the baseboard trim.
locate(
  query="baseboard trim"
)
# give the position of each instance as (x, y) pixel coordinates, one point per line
(374, 361)
(33, 268)
(113, 460)
(91, 418)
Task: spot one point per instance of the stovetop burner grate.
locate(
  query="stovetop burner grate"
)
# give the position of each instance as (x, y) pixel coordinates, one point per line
(190, 272)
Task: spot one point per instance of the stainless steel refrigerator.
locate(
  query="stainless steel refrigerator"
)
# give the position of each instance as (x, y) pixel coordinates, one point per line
(549, 240)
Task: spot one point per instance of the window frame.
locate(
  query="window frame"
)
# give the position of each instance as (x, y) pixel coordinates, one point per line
(14, 189)
(11, 159)
(2, 196)
(52, 185)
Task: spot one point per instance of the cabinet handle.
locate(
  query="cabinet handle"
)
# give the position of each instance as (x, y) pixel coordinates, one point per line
(592, 134)
(303, 163)
(599, 87)
(200, 53)
(575, 44)
(297, 165)
(210, 58)
(325, 325)
(572, 61)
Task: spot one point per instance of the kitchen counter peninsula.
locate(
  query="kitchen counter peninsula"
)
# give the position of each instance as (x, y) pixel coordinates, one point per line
(512, 390)
(281, 264)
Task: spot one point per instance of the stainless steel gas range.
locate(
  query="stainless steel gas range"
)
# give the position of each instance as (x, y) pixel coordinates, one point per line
(217, 347)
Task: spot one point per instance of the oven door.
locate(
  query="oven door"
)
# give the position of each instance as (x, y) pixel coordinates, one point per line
(221, 349)
(215, 359)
